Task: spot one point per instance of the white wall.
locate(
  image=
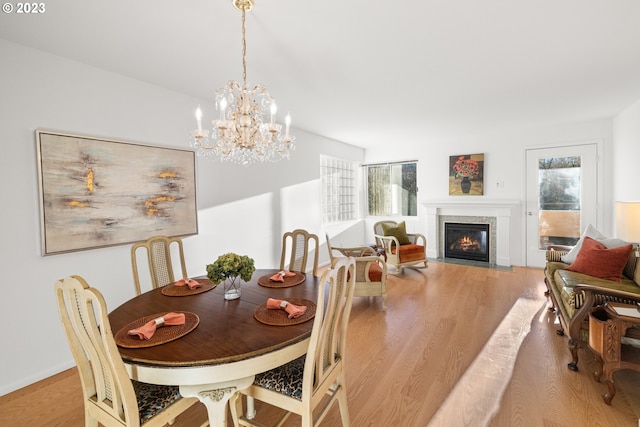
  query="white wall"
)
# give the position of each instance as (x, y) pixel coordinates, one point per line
(242, 209)
(504, 164)
(626, 147)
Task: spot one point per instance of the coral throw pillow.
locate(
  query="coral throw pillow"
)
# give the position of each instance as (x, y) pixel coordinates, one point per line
(596, 260)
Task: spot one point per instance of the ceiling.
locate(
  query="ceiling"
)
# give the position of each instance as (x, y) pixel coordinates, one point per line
(368, 72)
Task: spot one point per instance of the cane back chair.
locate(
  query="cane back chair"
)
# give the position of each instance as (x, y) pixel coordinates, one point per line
(110, 397)
(158, 251)
(317, 379)
(298, 244)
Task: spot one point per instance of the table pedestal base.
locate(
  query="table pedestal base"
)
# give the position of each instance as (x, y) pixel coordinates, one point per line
(215, 397)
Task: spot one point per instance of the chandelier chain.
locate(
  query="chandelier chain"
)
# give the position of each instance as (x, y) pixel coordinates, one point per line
(244, 49)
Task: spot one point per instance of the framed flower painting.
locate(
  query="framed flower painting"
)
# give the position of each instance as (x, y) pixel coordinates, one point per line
(466, 175)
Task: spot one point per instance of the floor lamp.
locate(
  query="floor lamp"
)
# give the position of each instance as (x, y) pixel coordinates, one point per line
(628, 223)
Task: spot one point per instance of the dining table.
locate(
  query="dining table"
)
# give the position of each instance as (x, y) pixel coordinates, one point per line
(223, 343)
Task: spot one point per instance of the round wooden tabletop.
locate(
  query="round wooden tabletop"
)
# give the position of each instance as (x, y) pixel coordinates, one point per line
(227, 332)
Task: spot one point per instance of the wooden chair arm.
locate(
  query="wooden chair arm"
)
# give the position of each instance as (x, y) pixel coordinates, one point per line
(416, 237)
(387, 241)
(363, 265)
(596, 295)
(365, 256)
(554, 253)
(563, 248)
(356, 251)
(593, 290)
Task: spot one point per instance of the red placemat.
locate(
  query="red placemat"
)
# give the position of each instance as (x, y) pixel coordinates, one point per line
(280, 317)
(184, 291)
(162, 335)
(288, 280)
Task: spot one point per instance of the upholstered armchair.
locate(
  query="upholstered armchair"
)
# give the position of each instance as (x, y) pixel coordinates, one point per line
(371, 270)
(402, 249)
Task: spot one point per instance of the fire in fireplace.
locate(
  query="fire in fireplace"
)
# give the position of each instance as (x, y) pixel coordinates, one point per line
(466, 241)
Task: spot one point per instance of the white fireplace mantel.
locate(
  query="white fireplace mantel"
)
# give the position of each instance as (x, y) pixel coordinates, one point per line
(501, 210)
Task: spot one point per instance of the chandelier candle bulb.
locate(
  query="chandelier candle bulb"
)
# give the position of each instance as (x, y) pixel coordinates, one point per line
(274, 110)
(287, 122)
(199, 119)
(223, 107)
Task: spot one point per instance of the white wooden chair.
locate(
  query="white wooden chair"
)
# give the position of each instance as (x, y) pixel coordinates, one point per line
(158, 251)
(371, 270)
(316, 379)
(297, 244)
(401, 248)
(110, 397)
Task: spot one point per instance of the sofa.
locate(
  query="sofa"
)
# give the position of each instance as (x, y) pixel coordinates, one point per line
(576, 283)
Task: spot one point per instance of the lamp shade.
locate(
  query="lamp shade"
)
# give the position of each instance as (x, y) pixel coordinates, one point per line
(628, 221)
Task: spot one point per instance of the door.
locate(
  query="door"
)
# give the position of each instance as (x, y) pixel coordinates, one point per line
(561, 197)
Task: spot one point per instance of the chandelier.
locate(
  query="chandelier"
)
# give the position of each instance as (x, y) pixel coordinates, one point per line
(241, 134)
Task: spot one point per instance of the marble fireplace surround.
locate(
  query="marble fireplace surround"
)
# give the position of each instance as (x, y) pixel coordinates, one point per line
(496, 213)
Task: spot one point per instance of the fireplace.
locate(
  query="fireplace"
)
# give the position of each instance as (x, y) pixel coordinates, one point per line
(497, 213)
(466, 241)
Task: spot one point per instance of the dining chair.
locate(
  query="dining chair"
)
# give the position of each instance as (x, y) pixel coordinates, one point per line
(110, 397)
(402, 249)
(371, 270)
(296, 244)
(316, 379)
(158, 251)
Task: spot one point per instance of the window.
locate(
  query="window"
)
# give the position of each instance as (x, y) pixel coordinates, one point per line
(392, 189)
(559, 200)
(339, 189)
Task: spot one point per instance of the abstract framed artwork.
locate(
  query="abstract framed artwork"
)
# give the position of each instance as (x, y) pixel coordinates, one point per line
(466, 175)
(96, 192)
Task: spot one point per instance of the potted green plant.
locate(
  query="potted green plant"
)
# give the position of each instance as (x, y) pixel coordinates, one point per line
(231, 269)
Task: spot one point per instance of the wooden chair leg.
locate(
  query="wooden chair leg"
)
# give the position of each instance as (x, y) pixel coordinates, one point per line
(90, 421)
(344, 409)
(235, 406)
(597, 374)
(610, 393)
(573, 347)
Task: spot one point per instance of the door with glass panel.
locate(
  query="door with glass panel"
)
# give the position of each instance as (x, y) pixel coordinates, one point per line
(562, 195)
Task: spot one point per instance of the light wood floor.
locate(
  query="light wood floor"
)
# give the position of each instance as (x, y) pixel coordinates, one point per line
(403, 366)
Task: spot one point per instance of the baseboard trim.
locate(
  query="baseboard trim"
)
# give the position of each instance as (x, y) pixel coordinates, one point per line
(39, 376)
